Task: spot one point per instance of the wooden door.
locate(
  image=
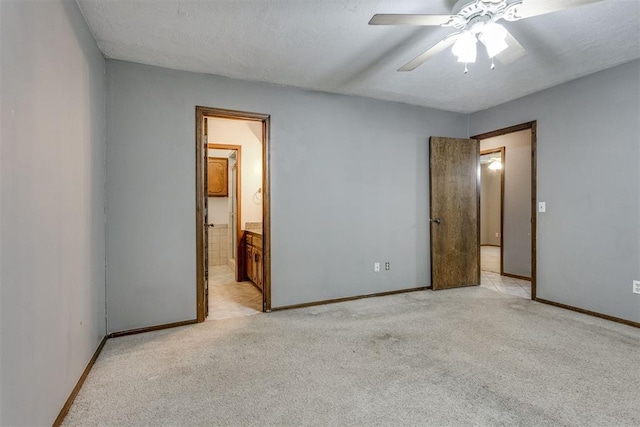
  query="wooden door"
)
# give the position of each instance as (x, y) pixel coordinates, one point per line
(455, 206)
(205, 228)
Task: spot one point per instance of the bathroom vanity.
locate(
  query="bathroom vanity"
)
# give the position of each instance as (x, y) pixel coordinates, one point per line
(253, 256)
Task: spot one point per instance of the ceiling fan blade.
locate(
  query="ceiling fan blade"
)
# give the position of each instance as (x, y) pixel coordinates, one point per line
(400, 19)
(530, 8)
(513, 52)
(437, 48)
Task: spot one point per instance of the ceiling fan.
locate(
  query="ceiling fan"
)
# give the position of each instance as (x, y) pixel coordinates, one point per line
(478, 20)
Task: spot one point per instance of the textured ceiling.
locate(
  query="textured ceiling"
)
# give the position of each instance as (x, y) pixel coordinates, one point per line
(327, 45)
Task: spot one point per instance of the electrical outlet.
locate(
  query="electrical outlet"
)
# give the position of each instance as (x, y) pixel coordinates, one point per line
(387, 265)
(497, 234)
(636, 286)
(376, 267)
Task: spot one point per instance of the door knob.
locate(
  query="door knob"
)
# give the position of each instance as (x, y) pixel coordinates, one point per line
(437, 220)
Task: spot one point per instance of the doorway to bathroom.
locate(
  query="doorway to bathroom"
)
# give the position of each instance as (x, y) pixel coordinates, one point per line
(232, 214)
(229, 295)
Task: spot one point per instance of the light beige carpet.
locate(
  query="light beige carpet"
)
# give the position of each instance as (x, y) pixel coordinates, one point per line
(467, 356)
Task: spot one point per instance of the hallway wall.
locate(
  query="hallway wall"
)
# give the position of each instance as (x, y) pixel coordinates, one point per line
(52, 177)
(489, 205)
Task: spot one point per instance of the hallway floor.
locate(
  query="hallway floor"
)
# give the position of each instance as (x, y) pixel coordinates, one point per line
(228, 298)
(490, 258)
(504, 284)
(491, 278)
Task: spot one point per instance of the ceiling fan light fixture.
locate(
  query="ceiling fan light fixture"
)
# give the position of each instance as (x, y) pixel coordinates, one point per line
(476, 20)
(493, 37)
(465, 48)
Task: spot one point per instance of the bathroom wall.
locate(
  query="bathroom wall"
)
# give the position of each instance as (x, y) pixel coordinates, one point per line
(247, 134)
(219, 244)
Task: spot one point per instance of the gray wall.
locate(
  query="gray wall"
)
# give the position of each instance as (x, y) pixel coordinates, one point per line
(349, 187)
(489, 206)
(588, 174)
(52, 286)
(517, 200)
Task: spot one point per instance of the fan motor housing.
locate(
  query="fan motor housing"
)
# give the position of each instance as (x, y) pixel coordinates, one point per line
(473, 14)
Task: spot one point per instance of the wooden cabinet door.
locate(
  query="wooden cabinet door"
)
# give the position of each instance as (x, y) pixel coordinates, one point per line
(217, 177)
(258, 267)
(250, 263)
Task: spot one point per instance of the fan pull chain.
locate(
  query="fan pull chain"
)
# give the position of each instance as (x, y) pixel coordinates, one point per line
(466, 70)
(493, 66)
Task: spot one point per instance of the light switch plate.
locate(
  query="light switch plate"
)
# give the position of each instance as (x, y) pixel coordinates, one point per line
(542, 206)
(636, 286)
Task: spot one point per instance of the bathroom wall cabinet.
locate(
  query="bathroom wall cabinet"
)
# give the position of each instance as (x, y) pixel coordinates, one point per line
(217, 177)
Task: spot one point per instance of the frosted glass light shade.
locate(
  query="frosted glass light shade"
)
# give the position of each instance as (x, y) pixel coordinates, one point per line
(493, 36)
(465, 48)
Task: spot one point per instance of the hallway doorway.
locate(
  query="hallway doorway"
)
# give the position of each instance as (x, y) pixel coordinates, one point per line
(508, 201)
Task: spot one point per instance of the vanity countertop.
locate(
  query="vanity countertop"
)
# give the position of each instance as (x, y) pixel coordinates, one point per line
(257, 231)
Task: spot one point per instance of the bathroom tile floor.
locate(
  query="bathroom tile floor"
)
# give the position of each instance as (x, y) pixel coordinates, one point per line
(228, 298)
(507, 285)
